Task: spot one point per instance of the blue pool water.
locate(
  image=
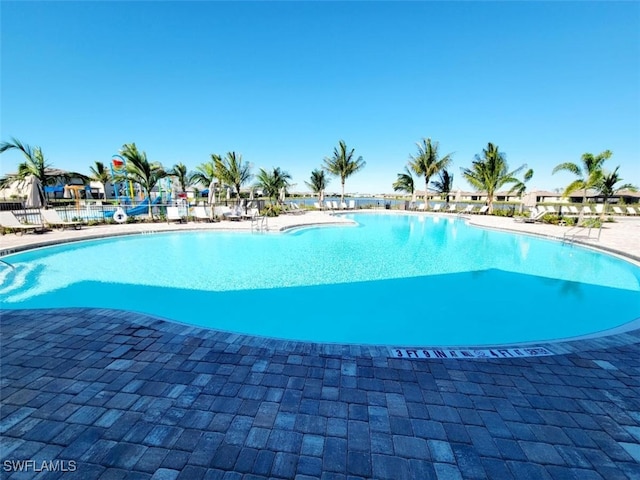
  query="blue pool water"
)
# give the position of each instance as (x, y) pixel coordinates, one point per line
(392, 280)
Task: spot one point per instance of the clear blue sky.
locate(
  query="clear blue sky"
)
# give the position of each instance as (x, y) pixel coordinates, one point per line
(282, 82)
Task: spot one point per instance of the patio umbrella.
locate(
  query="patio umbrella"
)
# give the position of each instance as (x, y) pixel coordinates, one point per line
(35, 197)
(211, 198)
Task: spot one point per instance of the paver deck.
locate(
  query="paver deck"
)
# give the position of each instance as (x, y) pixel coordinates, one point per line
(112, 395)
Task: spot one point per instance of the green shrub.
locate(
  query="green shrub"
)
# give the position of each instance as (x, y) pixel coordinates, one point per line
(271, 211)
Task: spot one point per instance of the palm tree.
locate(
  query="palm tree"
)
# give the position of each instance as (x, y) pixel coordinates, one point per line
(232, 171)
(318, 181)
(489, 172)
(139, 170)
(427, 163)
(185, 178)
(100, 173)
(443, 184)
(272, 182)
(404, 182)
(34, 163)
(589, 173)
(343, 164)
(606, 186)
(520, 187)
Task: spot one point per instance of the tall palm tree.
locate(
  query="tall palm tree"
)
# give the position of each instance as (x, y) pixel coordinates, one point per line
(489, 172)
(520, 186)
(607, 186)
(318, 181)
(232, 170)
(100, 173)
(427, 163)
(271, 182)
(34, 164)
(404, 182)
(185, 178)
(589, 173)
(443, 184)
(139, 170)
(343, 164)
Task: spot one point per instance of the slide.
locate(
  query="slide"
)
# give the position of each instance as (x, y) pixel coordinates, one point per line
(139, 209)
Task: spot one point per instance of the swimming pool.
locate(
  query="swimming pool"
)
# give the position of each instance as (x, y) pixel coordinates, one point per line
(400, 280)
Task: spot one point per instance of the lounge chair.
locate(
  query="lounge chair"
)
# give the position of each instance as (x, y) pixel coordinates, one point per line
(421, 207)
(468, 209)
(201, 214)
(618, 211)
(317, 205)
(352, 204)
(173, 215)
(452, 208)
(552, 210)
(586, 210)
(536, 215)
(483, 209)
(294, 208)
(343, 205)
(327, 204)
(9, 220)
(53, 220)
(565, 211)
(631, 211)
(437, 207)
(334, 205)
(231, 214)
(574, 210)
(251, 214)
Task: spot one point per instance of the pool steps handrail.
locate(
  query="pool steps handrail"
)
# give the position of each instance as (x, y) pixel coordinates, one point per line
(8, 264)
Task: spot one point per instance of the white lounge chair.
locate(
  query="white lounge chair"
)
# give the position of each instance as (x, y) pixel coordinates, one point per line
(251, 214)
(551, 209)
(437, 207)
(352, 204)
(452, 208)
(421, 207)
(631, 211)
(468, 209)
(617, 211)
(483, 209)
(9, 220)
(334, 205)
(343, 205)
(536, 215)
(317, 206)
(574, 210)
(202, 214)
(327, 204)
(586, 210)
(173, 215)
(53, 220)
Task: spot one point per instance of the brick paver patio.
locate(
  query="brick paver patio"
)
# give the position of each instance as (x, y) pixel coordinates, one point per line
(114, 395)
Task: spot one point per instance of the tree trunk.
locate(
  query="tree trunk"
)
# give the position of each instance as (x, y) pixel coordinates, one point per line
(342, 196)
(426, 193)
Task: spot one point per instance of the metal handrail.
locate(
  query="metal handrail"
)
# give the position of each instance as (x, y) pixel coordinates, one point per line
(13, 267)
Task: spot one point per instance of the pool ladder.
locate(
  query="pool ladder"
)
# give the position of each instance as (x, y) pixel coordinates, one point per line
(259, 223)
